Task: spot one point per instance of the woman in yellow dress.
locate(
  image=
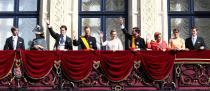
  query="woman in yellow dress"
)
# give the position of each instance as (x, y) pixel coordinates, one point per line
(176, 43)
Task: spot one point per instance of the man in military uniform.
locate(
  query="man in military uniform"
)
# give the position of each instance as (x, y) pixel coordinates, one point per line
(87, 42)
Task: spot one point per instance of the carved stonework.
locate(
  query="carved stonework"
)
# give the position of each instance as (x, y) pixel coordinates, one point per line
(57, 13)
(58, 16)
(148, 15)
(153, 18)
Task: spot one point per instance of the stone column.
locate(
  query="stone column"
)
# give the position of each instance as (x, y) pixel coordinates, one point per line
(153, 18)
(132, 13)
(43, 13)
(74, 18)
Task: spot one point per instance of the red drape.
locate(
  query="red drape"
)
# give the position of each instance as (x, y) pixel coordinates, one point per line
(37, 64)
(77, 65)
(156, 64)
(6, 61)
(117, 65)
(193, 56)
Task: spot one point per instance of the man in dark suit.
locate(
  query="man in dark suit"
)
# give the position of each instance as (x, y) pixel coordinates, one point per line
(87, 42)
(136, 42)
(62, 41)
(195, 42)
(14, 42)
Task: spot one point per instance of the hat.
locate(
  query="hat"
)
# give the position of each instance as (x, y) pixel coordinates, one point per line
(38, 29)
(156, 34)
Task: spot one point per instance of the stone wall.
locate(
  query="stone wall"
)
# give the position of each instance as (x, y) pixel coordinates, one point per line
(149, 15)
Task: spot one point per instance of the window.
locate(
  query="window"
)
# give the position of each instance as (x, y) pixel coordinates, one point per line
(20, 13)
(102, 15)
(184, 14)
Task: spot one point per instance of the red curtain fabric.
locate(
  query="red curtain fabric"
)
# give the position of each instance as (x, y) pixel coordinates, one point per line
(37, 64)
(6, 61)
(193, 56)
(116, 65)
(77, 65)
(157, 64)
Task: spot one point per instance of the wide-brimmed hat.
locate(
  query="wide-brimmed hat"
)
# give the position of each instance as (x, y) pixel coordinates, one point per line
(157, 34)
(38, 29)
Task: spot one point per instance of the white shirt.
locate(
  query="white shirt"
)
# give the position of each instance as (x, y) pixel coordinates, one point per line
(61, 46)
(15, 39)
(114, 44)
(122, 26)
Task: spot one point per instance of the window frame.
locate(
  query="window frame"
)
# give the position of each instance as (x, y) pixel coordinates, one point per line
(16, 14)
(103, 14)
(182, 14)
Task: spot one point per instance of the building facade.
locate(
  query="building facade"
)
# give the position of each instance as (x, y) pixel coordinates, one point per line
(102, 15)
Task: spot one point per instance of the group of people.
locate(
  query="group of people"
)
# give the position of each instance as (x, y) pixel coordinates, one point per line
(15, 42)
(177, 43)
(88, 42)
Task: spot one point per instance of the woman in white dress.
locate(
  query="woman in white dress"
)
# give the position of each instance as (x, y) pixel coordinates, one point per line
(114, 43)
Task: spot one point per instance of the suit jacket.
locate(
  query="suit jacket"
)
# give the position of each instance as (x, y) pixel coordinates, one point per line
(199, 42)
(91, 41)
(140, 43)
(9, 44)
(56, 36)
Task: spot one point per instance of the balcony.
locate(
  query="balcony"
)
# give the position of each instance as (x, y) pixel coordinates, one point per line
(105, 70)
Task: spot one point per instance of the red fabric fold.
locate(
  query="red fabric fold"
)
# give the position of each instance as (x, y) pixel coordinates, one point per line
(6, 61)
(77, 65)
(37, 64)
(156, 64)
(117, 65)
(194, 56)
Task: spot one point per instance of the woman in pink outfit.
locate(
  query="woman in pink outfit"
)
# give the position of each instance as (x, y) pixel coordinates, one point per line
(158, 44)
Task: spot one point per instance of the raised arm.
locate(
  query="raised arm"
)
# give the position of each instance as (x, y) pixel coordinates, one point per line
(75, 41)
(52, 33)
(101, 39)
(125, 31)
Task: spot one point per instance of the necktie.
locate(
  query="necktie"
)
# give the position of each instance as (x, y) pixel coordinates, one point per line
(133, 45)
(61, 40)
(193, 40)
